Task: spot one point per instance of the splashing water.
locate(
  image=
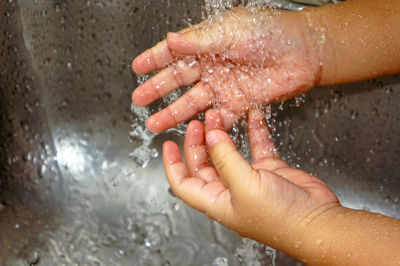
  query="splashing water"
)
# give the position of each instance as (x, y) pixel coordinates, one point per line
(140, 136)
(216, 69)
(229, 80)
(252, 253)
(215, 7)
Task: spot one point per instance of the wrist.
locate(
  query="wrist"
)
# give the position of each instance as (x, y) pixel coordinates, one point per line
(320, 45)
(313, 235)
(301, 236)
(359, 40)
(343, 236)
(309, 45)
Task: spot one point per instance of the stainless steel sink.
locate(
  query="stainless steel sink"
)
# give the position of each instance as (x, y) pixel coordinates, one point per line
(70, 194)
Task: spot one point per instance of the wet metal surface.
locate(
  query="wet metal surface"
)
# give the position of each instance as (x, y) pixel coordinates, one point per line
(70, 194)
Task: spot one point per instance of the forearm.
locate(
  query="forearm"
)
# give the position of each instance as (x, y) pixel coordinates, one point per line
(362, 39)
(343, 236)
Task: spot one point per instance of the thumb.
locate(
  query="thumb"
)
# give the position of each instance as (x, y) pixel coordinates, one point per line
(205, 38)
(233, 169)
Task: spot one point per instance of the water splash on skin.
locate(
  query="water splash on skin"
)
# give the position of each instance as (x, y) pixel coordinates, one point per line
(140, 136)
(225, 79)
(237, 78)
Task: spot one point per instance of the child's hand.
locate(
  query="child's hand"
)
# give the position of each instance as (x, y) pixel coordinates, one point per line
(249, 58)
(267, 201)
(272, 203)
(244, 59)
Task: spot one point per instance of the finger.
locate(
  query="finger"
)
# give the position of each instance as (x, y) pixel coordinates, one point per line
(212, 198)
(261, 144)
(233, 169)
(167, 80)
(207, 37)
(156, 57)
(188, 105)
(196, 155)
(213, 120)
(229, 118)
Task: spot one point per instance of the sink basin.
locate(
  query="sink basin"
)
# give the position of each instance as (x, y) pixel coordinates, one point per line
(70, 191)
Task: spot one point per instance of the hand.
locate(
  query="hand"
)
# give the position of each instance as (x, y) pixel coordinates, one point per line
(267, 200)
(245, 58)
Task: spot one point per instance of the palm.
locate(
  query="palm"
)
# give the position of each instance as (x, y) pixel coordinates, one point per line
(246, 59)
(234, 88)
(294, 188)
(271, 193)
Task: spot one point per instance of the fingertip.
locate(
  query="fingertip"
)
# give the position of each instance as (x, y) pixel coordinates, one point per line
(133, 98)
(256, 120)
(194, 133)
(212, 138)
(153, 124)
(213, 120)
(173, 36)
(256, 114)
(144, 95)
(143, 63)
(134, 65)
(195, 127)
(180, 43)
(168, 145)
(229, 163)
(171, 153)
(211, 112)
(229, 118)
(216, 136)
(136, 98)
(261, 143)
(194, 124)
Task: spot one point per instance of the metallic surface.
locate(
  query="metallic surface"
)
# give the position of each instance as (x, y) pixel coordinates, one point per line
(70, 194)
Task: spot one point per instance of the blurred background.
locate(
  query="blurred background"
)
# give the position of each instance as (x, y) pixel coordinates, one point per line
(81, 180)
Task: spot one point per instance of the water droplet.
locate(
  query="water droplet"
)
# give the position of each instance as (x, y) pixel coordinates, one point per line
(220, 261)
(154, 153)
(147, 243)
(354, 114)
(297, 244)
(171, 192)
(175, 206)
(34, 258)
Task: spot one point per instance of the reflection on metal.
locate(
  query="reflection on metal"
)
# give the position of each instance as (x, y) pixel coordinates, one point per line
(316, 2)
(70, 194)
(71, 157)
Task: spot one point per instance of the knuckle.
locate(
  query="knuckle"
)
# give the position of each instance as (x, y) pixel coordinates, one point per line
(221, 157)
(221, 163)
(177, 74)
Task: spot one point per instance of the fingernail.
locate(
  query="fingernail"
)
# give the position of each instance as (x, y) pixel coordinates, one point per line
(175, 34)
(212, 138)
(153, 125)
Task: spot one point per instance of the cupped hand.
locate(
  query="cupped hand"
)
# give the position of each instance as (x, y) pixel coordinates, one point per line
(267, 200)
(242, 59)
